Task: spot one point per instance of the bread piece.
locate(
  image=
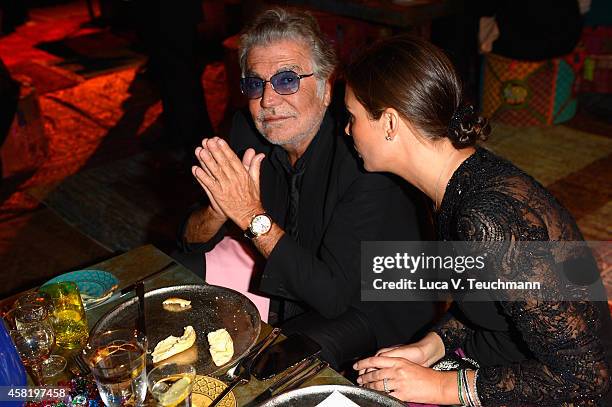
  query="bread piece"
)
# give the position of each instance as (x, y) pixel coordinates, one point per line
(173, 345)
(186, 357)
(174, 304)
(221, 346)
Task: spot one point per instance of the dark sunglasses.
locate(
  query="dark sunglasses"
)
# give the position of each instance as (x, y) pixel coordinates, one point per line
(283, 83)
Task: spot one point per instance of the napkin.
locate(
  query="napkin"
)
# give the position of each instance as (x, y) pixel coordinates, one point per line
(337, 399)
(231, 264)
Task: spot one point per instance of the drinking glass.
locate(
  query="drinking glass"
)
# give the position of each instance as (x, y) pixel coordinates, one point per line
(33, 342)
(55, 364)
(24, 315)
(69, 320)
(35, 298)
(171, 384)
(117, 360)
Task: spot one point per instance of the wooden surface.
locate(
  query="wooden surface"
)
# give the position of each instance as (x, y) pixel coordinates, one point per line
(140, 262)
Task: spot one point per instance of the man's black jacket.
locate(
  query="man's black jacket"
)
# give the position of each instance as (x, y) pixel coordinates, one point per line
(340, 205)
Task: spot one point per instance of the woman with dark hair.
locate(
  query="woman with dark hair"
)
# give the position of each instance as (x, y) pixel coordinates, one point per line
(407, 117)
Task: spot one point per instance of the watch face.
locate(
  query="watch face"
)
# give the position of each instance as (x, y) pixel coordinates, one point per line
(260, 225)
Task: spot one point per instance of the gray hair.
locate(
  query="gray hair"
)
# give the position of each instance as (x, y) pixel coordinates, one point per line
(279, 24)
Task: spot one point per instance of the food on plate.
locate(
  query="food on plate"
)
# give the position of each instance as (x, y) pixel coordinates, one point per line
(173, 345)
(174, 304)
(186, 357)
(221, 346)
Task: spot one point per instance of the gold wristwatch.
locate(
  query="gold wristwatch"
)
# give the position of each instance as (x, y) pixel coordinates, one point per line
(260, 225)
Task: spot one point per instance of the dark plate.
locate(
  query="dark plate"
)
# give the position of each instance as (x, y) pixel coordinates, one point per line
(313, 395)
(212, 308)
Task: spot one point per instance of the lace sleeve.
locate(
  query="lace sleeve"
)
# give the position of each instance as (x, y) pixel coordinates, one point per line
(452, 332)
(569, 362)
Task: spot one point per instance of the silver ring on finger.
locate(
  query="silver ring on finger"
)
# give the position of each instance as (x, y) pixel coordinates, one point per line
(386, 385)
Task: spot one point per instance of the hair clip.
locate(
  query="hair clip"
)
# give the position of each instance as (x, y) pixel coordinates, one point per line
(455, 123)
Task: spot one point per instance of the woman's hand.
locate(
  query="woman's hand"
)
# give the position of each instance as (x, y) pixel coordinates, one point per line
(425, 352)
(412, 352)
(408, 381)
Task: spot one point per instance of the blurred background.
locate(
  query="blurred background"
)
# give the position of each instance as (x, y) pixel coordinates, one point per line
(102, 102)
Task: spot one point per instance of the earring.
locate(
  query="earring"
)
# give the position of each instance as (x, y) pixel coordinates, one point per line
(388, 137)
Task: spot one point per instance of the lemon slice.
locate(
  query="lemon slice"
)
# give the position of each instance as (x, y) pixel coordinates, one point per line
(178, 392)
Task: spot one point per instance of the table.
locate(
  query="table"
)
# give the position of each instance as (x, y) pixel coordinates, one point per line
(140, 262)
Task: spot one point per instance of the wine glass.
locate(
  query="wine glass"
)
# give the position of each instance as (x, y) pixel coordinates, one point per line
(35, 298)
(33, 342)
(55, 364)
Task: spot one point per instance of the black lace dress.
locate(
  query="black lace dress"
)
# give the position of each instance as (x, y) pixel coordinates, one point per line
(529, 352)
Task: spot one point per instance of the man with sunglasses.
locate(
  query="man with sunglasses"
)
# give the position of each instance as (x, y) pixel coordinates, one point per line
(300, 196)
